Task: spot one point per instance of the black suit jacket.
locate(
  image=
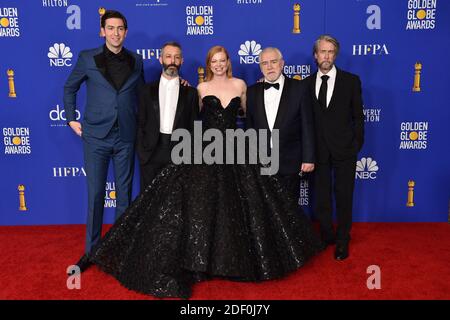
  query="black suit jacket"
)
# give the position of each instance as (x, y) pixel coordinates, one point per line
(340, 126)
(149, 116)
(294, 120)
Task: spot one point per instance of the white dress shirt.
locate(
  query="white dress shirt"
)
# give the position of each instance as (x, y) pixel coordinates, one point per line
(168, 100)
(330, 83)
(272, 99)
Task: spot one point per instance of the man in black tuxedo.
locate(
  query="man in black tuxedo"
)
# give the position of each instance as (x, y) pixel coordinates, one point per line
(284, 104)
(339, 124)
(164, 105)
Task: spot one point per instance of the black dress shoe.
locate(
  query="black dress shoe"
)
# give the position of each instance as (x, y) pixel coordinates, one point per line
(84, 263)
(328, 242)
(341, 252)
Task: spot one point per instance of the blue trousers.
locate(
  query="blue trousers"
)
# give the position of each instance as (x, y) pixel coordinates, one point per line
(97, 155)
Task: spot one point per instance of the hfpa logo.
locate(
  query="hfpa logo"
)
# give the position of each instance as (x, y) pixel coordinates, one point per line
(370, 49)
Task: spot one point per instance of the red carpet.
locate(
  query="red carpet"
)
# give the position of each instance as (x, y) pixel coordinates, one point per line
(414, 259)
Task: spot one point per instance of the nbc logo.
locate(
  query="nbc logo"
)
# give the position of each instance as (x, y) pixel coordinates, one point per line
(60, 55)
(366, 168)
(249, 52)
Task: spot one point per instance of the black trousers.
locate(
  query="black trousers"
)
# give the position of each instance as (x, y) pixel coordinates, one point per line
(342, 174)
(160, 158)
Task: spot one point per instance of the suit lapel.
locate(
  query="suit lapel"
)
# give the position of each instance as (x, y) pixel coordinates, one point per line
(336, 89)
(180, 105)
(261, 106)
(284, 103)
(313, 92)
(155, 101)
(101, 66)
(134, 69)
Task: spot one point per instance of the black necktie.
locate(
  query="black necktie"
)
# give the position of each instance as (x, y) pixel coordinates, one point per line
(323, 91)
(267, 85)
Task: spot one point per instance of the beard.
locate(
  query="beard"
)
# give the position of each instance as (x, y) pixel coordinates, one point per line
(171, 69)
(325, 65)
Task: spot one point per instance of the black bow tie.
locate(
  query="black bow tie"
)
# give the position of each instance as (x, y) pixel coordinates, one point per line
(267, 85)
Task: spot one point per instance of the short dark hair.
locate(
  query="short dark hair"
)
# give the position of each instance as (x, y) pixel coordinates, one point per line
(172, 44)
(113, 14)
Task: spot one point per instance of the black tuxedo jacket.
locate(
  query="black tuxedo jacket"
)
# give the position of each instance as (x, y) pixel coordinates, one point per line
(294, 121)
(149, 116)
(340, 126)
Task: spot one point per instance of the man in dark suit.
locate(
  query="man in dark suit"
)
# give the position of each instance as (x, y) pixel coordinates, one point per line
(284, 104)
(339, 123)
(164, 105)
(112, 75)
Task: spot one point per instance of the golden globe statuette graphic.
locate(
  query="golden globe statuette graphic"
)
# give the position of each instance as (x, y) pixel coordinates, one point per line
(417, 71)
(201, 74)
(12, 90)
(297, 77)
(101, 12)
(411, 185)
(22, 206)
(296, 18)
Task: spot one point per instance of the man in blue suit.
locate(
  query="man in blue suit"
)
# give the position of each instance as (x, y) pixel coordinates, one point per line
(112, 75)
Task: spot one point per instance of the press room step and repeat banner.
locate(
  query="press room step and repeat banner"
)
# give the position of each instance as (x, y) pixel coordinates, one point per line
(399, 48)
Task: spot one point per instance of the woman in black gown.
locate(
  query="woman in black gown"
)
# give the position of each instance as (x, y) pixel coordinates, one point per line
(196, 222)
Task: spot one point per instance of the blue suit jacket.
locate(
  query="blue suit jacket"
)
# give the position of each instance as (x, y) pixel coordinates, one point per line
(104, 104)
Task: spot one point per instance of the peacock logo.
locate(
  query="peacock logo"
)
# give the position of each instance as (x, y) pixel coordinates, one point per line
(60, 55)
(366, 168)
(249, 52)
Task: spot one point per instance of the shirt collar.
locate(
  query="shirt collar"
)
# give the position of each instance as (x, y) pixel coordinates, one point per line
(109, 54)
(166, 82)
(331, 73)
(280, 80)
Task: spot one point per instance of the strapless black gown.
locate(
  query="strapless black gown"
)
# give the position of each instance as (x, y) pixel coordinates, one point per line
(196, 222)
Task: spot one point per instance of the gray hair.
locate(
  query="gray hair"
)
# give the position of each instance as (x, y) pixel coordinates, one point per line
(326, 37)
(278, 52)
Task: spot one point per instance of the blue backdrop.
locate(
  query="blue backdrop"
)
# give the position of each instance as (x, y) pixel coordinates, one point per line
(392, 45)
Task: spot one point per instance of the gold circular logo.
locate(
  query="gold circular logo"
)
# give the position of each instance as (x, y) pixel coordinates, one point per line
(199, 20)
(16, 140)
(413, 135)
(421, 14)
(297, 77)
(4, 22)
(112, 195)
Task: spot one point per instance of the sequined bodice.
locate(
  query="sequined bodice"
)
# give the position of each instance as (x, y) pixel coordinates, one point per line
(217, 116)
